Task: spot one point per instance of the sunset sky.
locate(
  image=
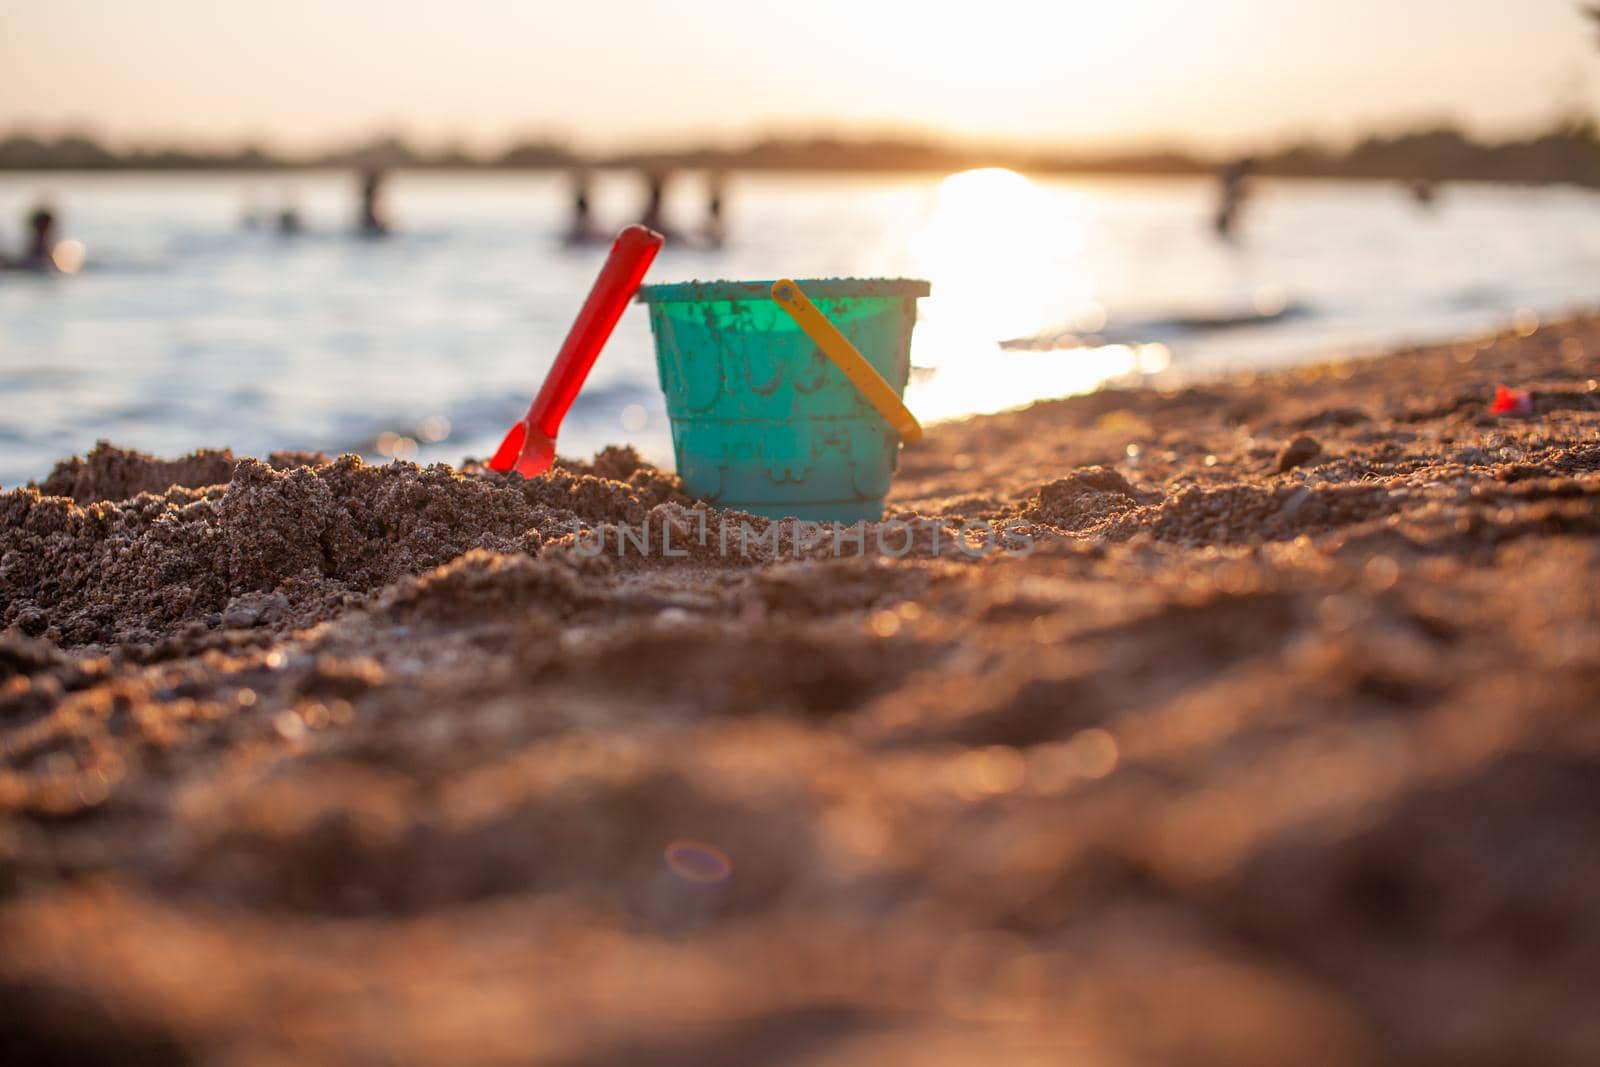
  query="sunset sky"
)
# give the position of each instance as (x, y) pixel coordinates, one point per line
(602, 73)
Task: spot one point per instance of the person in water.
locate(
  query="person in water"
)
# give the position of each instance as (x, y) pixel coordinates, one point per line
(713, 232)
(40, 252)
(1424, 193)
(289, 222)
(1233, 187)
(654, 217)
(41, 239)
(583, 229)
(374, 220)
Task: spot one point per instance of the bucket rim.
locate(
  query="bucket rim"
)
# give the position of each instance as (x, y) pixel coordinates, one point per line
(816, 288)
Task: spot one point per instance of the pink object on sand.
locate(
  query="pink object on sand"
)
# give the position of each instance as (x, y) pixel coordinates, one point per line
(1511, 401)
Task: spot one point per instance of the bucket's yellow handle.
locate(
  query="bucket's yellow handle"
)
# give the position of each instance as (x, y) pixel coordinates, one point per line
(837, 347)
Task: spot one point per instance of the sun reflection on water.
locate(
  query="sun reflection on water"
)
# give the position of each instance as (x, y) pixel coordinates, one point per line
(1006, 260)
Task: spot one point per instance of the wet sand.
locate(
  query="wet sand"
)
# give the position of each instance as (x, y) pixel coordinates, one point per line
(1267, 731)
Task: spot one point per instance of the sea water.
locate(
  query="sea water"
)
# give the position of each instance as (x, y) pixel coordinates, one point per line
(186, 328)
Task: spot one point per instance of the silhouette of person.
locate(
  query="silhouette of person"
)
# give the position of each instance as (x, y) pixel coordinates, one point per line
(374, 220)
(41, 239)
(288, 220)
(654, 217)
(1423, 192)
(1233, 187)
(583, 229)
(713, 231)
(40, 255)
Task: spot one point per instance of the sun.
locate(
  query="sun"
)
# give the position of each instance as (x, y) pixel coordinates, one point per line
(1001, 254)
(1005, 259)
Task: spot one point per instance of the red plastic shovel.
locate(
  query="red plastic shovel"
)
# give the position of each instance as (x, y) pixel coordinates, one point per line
(530, 447)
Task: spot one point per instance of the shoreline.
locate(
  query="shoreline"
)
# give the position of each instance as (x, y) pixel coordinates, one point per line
(1277, 745)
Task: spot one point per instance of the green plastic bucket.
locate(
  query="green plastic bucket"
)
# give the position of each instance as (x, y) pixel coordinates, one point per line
(762, 420)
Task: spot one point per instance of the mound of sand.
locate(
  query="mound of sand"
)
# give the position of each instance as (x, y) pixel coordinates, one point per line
(1263, 731)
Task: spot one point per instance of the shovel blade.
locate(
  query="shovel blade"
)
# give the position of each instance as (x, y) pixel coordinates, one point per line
(525, 450)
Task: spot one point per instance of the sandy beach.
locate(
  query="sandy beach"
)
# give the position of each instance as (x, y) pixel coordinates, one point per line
(1249, 723)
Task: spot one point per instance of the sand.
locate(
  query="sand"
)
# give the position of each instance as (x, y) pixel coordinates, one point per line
(1253, 723)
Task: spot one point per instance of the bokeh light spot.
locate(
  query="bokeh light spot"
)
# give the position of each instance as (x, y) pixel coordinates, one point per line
(698, 862)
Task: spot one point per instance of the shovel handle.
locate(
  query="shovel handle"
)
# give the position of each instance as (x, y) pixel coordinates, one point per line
(837, 347)
(631, 255)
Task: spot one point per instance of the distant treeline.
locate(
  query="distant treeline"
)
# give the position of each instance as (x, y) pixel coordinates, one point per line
(1568, 152)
